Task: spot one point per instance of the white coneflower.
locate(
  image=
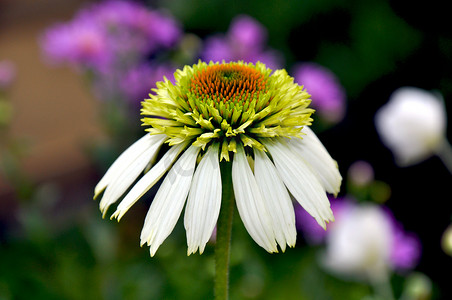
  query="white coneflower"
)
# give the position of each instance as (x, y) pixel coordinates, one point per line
(413, 125)
(213, 114)
(366, 242)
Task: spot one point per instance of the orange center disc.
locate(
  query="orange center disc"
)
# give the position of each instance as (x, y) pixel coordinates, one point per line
(228, 83)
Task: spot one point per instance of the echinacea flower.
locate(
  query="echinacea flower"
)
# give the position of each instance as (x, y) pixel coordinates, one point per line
(412, 124)
(213, 114)
(367, 242)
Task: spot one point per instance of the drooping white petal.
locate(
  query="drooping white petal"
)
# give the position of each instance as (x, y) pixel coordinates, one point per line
(323, 165)
(277, 200)
(128, 169)
(204, 201)
(302, 183)
(148, 180)
(250, 204)
(169, 201)
(125, 159)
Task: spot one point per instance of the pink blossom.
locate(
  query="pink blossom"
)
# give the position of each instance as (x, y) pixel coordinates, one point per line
(245, 40)
(328, 95)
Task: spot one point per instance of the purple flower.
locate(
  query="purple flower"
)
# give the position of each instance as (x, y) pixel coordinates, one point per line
(80, 44)
(247, 33)
(137, 82)
(151, 30)
(164, 29)
(312, 232)
(406, 247)
(7, 73)
(245, 40)
(328, 95)
(217, 48)
(113, 40)
(110, 33)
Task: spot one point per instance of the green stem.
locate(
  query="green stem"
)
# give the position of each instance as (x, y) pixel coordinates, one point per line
(382, 287)
(224, 230)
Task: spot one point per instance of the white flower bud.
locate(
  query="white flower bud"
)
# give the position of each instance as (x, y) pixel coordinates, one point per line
(412, 124)
(360, 244)
(446, 240)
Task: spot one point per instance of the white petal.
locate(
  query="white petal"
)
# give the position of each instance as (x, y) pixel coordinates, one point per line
(300, 180)
(124, 160)
(148, 180)
(126, 169)
(250, 204)
(204, 201)
(323, 165)
(169, 201)
(277, 200)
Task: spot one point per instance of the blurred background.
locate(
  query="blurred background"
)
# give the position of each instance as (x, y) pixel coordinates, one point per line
(73, 74)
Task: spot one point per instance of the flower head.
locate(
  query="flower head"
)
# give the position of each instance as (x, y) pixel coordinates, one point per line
(136, 82)
(79, 43)
(367, 241)
(109, 33)
(248, 32)
(112, 41)
(328, 95)
(412, 124)
(215, 113)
